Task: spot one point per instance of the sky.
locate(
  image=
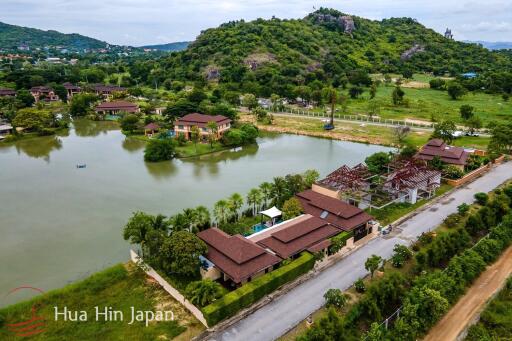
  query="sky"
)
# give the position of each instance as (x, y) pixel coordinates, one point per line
(142, 22)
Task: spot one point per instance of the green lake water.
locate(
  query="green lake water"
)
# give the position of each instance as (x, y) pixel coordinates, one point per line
(59, 223)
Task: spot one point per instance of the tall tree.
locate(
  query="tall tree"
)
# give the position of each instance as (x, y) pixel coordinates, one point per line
(372, 264)
(254, 199)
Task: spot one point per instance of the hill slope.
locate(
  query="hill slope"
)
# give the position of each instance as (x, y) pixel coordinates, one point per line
(12, 36)
(327, 45)
(170, 47)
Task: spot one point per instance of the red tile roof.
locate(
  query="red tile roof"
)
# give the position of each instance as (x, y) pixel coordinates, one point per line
(152, 126)
(236, 256)
(107, 89)
(320, 246)
(41, 89)
(7, 92)
(118, 105)
(201, 120)
(449, 154)
(340, 214)
(298, 236)
(69, 86)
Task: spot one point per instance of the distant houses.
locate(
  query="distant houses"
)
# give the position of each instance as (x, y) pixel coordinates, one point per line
(5, 129)
(71, 89)
(7, 92)
(116, 107)
(106, 90)
(43, 93)
(183, 126)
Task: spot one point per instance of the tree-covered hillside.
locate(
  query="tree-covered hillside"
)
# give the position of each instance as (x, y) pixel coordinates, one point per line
(177, 46)
(325, 46)
(12, 36)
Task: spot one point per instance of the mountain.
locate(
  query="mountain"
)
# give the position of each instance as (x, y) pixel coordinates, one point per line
(270, 56)
(170, 47)
(12, 37)
(497, 45)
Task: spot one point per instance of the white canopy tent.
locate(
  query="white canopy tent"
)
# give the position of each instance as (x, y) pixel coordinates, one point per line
(272, 213)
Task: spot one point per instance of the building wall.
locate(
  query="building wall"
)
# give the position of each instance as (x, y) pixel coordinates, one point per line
(325, 191)
(212, 273)
(187, 129)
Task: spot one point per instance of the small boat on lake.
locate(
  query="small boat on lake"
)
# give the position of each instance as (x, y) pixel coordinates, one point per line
(81, 165)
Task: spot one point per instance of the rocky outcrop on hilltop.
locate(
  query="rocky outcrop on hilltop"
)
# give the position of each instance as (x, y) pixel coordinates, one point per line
(417, 48)
(343, 22)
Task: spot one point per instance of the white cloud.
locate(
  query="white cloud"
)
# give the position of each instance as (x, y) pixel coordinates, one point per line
(138, 22)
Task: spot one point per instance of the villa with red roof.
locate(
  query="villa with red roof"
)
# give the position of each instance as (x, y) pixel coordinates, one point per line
(71, 89)
(336, 212)
(234, 258)
(106, 90)
(116, 107)
(183, 126)
(455, 156)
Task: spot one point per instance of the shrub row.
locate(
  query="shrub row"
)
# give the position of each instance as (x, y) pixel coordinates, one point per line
(339, 241)
(432, 295)
(251, 292)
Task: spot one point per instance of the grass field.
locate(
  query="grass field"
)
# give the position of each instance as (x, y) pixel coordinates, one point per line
(356, 132)
(120, 287)
(426, 103)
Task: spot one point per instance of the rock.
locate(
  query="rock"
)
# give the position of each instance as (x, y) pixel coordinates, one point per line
(417, 48)
(212, 73)
(345, 22)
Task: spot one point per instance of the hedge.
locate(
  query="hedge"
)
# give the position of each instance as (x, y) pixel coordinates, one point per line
(251, 292)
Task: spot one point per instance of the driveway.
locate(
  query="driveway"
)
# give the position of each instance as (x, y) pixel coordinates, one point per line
(277, 317)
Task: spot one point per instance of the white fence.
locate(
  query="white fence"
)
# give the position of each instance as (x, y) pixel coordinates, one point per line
(357, 118)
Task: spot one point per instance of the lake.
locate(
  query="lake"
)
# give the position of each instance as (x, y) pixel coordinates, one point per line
(59, 223)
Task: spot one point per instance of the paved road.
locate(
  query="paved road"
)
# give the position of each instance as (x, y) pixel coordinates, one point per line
(277, 317)
(473, 302)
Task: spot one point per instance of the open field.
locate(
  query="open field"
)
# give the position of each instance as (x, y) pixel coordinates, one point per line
(120, 287)
(426, 103)
(357, 132)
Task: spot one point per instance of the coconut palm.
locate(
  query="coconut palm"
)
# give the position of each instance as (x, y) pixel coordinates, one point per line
(235, 202)
(202, 293)
(279, 190)
(193, 221)
(254, 199)
(221, 211)
(179, 222)
(203, 217)
(266, 191)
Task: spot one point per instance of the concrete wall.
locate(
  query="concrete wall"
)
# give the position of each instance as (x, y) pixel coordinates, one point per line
(171, 290)
(326, 191)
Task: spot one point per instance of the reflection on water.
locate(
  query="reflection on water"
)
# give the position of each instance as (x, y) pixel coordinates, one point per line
(133, 145)
(84, 127)
(161, 170)
(39, 147)
(70, 220)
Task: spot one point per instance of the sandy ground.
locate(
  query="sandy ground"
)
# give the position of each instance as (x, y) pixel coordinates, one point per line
(474, 301)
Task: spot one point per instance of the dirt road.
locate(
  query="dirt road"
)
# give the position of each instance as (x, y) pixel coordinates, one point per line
(456, 320)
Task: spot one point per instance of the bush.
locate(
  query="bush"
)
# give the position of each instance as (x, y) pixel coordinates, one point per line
(360, 286)
(292, 208)
(481, 198)
(463, 209)
(204, 292)
(452, 220)
(159, 150)
(251, 292)
(437, 84)
(335, 298)
(400, 256)
(453, 172)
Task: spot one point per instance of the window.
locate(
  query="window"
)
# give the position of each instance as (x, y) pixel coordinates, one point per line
(204, 129)
(180, 127)
(324, 214)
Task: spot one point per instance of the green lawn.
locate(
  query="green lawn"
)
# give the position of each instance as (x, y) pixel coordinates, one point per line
(393, 212)
(118, 287)
(189, 149)
(427, 103)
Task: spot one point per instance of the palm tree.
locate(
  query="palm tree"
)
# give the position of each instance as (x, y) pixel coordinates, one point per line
(221, 211)
(279, 191)
(203, 217)
(137, 228)
(235, 202)
(179, 222)
(331, 96)
(202, 293)
(192, 218)
(266, 191)
(254, 198)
